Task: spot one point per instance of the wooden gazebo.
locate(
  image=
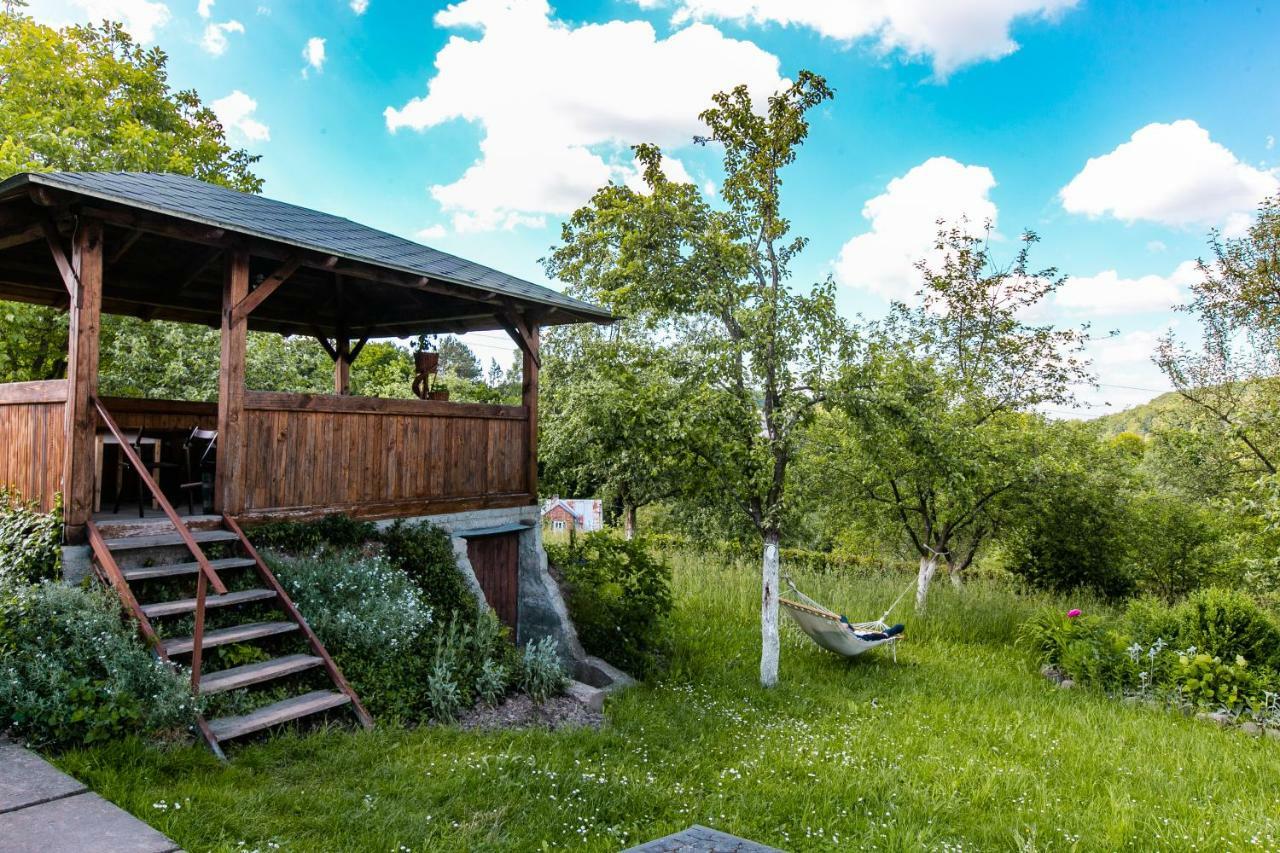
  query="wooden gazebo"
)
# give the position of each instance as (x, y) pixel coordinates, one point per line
(161, 246)
(174, 248)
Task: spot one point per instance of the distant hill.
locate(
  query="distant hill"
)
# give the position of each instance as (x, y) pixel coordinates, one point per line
(1143, 418)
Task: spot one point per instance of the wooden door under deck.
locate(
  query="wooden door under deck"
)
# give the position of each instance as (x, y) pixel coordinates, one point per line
(496, 562)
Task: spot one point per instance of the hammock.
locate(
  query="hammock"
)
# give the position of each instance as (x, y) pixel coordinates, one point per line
(827, 630)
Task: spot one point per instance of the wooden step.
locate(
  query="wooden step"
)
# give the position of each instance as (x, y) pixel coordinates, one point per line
(256, 673)
(279, 712)
(177, 569)
(168, 540)
(226, 636)
(188, 605)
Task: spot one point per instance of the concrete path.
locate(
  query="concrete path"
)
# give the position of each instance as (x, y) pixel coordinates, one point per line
(43, 810)
(701, 839)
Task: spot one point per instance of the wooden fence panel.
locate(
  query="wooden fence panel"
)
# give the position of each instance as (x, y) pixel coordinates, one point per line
(32, 438)
(306, 455)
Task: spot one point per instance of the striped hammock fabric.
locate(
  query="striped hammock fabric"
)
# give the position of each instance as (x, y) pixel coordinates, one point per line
(826, 629)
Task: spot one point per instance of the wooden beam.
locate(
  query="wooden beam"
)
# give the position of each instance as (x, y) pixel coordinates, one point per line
(193, 272)
(229, 488)
(268, 286)
(60, 259)
(21, 236)
(118, 255)
(84, 277)
(324, 342)
(355, 350)
(522, 333)
(529, 397)
(342, 343)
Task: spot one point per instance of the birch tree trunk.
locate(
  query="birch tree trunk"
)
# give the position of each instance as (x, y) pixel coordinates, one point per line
(769, 612)
(928, 567)
(629, 521)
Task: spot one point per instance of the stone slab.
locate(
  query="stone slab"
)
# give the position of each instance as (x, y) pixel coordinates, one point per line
(26, 779)
(702, 839)
(591, 698)
(82, 822)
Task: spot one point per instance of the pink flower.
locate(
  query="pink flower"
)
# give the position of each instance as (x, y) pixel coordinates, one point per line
(1071, 614)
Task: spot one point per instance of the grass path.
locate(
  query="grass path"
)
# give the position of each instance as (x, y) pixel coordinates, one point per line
(958, 746)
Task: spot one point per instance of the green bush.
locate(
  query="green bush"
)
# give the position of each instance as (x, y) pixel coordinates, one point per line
(307, 537)
(1219, 622)
(425, 553)
(471, 660)
(1206, 681)
(619, 596)
(373, 620)
(30, 541)
(73, 672)
(541, 673)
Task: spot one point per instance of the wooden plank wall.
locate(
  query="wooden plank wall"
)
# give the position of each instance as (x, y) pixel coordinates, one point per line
(33, 438)
(312, 454)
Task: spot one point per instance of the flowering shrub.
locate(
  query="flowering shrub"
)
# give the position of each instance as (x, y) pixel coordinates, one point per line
(619, 596)
(30, 541)
(73, 672)
(1219, 622)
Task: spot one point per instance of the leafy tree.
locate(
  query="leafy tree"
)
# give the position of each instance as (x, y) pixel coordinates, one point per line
(457, 359)
(715, 281)
(90, 98)
(1232, 381)
(610, 415)
(1173, 544)
(938, 438)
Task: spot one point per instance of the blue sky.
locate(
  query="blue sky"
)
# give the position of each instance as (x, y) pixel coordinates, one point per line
(1120, 131)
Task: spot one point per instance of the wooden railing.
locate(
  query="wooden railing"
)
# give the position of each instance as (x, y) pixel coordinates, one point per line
(313, 454)
(33, 439)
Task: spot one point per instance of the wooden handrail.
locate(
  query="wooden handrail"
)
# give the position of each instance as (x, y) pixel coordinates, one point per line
(116, 579)
(143, 474)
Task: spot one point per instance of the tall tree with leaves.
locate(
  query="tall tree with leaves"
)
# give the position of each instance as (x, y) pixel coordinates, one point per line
(1233, 381)
(90, 98)
(715, 281)
(938, 433)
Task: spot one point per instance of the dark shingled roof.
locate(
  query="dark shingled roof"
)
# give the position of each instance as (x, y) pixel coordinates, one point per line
(194, 200)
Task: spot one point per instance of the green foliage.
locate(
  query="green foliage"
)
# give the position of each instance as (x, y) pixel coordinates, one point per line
(73, 672)
(541, 674)
(373, 620)
(305, 537)
(1208, 682)
(1220, 622)
(619, 595)
(30, 541)
(90, 98)
(425, 553)
(470, 661)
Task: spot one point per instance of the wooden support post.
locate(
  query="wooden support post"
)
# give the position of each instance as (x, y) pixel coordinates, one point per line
(529, 398)
(85, 285)
(342, 367)
(229, 488)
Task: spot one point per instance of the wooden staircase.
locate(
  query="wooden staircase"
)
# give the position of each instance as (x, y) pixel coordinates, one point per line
(130, 563)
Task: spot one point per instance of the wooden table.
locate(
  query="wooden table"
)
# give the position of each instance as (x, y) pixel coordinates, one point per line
(105, 438)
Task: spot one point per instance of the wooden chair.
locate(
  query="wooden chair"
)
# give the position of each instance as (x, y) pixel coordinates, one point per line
(137, 441)
(196, 468)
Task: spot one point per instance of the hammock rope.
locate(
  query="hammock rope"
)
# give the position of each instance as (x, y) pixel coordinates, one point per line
(831, 632)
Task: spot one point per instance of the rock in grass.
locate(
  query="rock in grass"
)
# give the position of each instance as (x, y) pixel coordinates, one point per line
(1066, 684)
(1218, 718)
(1274, 734)
(1252, 729)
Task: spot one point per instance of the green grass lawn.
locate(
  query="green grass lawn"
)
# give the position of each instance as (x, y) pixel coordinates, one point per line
(959, 745)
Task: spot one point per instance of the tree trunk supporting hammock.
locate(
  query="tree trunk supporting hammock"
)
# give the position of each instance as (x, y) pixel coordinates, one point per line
(831, 633)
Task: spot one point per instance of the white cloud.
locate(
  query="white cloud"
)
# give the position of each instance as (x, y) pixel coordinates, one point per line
(431, 232)
(1107, 294)
(1173, 174)
(214, 40)
(142, 18)
(951, 34)
(1271, 142)
(553, 133)
(1126, 374)
(1156, 246)
(235, 112)
(204, 8)
(359, 6)
(904, 224)
(313, 53)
